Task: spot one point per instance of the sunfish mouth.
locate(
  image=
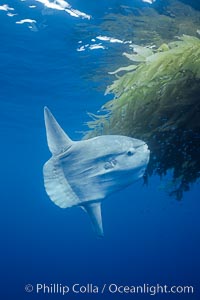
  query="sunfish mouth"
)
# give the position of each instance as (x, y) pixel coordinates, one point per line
(145, 150)
(143, 147)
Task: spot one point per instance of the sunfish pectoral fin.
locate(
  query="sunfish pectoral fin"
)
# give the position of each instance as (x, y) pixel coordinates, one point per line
(94, 211)
(57, 139)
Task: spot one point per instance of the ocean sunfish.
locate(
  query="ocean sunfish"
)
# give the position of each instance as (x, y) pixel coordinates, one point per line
(82, 173)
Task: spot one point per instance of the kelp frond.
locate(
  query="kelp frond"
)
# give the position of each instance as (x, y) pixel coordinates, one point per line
(158, 101)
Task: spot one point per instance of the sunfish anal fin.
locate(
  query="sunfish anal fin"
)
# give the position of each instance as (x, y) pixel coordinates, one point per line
(94, 211)
(57, 139)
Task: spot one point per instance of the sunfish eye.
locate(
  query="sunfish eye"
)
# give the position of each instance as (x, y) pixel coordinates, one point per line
(131, 151)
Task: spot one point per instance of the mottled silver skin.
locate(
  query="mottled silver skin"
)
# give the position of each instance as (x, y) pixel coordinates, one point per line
(83, 173)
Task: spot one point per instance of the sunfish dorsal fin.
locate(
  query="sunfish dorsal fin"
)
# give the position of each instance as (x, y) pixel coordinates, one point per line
(57, 139)
(94, 211)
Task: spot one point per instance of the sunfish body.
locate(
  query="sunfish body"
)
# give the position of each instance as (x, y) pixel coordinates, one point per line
(82, 173)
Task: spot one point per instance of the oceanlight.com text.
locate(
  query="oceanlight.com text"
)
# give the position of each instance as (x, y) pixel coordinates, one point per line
(105, 288)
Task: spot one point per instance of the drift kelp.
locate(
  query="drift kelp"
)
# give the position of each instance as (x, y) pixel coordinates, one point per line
(157, 23)
(158, 101)
(137, 22)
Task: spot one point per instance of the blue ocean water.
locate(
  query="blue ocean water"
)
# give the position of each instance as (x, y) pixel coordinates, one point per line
(150, 238)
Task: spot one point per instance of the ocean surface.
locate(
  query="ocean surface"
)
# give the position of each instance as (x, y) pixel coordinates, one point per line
(58, 55)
